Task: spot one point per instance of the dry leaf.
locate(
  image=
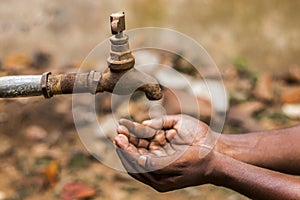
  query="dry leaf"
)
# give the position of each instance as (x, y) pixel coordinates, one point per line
(51, 173)
(75, 190)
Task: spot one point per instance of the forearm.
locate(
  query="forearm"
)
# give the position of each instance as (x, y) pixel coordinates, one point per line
(278, 149)
(254, 182)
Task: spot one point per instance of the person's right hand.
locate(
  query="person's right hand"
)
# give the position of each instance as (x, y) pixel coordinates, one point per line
(165, 152)
(168, 159)
(178, 130)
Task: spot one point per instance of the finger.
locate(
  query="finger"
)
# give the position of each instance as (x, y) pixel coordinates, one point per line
(123, 130)
(154, 146)
(123, 143)
(165, 122)
(160, 137)
(170, 135)
(137, 129)
(139, 143)
(143, 143)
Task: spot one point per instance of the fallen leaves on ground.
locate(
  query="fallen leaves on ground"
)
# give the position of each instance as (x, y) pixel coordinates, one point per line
(51, 173)
(76, 190)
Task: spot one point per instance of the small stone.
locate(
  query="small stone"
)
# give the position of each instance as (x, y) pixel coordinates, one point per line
(264, 88)
(16, 62)
(291, 110)
(294, 73)
(2, 195)
(245, 109)
(121, 177)
(35, 133)
(291, 95)
(5, 146)
(3, 117)
(41, 60)
(242, 114)
(78, 160)
(63, 106)
(23, 100)
(40, 150)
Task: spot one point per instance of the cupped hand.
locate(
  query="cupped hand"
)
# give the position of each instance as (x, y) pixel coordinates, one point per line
(165, 152)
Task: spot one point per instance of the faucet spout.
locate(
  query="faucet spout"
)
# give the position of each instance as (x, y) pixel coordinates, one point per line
(121, 77)
(126, 82)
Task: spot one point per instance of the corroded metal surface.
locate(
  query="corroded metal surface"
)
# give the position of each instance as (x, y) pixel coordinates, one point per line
(120, 57)
(129, 81)
(20, 86)
(117, 22)
(74, 83)
(90, 82)
(120, 67)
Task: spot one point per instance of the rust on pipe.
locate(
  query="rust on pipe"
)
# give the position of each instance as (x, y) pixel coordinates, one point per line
(89, 82)
(72, 83)
(120, 67)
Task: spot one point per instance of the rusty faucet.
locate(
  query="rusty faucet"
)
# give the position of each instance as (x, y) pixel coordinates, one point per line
(120, 66)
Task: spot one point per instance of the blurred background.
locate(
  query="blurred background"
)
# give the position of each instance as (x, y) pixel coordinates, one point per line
(255, 44)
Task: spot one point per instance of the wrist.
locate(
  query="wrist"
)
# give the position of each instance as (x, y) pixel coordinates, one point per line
(214, 168)
(221, 168)
(224, 145)
(240, 147)
(232, 146)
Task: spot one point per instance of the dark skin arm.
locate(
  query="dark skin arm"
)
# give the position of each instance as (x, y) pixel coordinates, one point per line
(277, 149)
(171, 161)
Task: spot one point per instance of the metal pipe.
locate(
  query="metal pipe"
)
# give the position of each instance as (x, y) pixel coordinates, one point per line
(49, 85)
(20, 86)
(91, 82)
(71, 83)
(120, 64)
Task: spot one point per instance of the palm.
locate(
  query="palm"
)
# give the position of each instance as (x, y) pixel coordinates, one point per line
(166, 135)
(189, 131)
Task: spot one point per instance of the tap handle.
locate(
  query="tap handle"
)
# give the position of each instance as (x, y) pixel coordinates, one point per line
(117, 23)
